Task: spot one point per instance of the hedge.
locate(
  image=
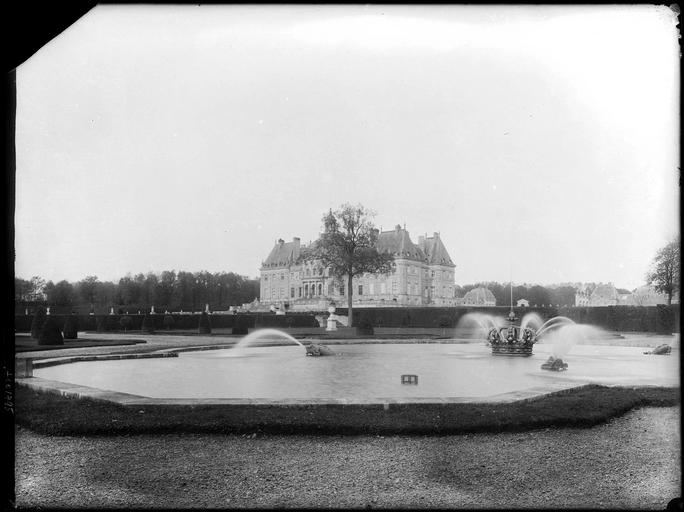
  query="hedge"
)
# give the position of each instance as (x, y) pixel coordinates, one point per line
(660, 319)
(70, 329)
(51, 334)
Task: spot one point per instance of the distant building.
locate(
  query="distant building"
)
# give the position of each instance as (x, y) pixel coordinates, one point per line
(479, 297)
(523, 303)
(596, 295)
(424, 275)
(608, 295)
(648, 296)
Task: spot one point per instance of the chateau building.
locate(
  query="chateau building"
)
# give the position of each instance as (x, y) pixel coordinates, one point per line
(423, 275)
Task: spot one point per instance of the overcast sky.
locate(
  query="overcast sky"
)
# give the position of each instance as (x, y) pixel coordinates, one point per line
(541, 142)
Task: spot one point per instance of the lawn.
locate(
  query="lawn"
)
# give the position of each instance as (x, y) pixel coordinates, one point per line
(585, 406)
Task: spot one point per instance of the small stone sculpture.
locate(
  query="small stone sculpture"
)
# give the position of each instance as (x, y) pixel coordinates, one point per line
(316, 350)
(661, 350)
(554, 365)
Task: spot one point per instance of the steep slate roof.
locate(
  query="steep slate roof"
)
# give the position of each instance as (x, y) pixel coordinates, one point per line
(283, 254)
(398, 242)
(435, 251)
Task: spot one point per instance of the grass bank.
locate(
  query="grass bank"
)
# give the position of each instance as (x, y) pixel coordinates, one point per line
(586, 406)
(28, 344)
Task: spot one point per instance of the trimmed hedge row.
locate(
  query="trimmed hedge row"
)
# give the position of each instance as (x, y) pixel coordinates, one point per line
(163, 322)
(660, 319)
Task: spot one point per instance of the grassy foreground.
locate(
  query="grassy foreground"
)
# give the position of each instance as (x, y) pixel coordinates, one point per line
(53, 414)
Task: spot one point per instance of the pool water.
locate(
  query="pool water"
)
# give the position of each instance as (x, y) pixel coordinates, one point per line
(363, 371)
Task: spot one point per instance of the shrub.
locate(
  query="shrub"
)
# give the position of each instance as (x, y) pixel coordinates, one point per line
(406, 320)
(102, 323)
(125, 322)
(664, 319)
(241, 326)
(444, 321)
(168, 322)
(148, 323)
(71, 327)
(50, 333)
(38, 321)
(204, 323)
(364, 327)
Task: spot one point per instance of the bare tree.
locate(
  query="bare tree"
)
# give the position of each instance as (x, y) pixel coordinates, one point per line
(664, 273)
(347, 247)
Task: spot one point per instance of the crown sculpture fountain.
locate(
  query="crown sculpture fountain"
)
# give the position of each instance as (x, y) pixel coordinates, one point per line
(514, 340)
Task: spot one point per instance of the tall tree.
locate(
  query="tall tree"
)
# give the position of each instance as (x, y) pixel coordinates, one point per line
(665, 270)
(37, 288)
(22, 289)
(87, 289)
(60, 294)
(347, 247)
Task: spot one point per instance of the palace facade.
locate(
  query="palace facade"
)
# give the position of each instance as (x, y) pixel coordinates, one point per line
(423, 276)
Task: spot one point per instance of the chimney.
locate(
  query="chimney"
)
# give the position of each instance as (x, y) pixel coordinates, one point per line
(397, 227)
(281, 241)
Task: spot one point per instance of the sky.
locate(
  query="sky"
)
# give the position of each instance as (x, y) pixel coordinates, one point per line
(540, 142)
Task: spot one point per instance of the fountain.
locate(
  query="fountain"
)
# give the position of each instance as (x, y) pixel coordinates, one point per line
(513, 340)
(265, 334)
(313, 349)
(268, 365)
(517, 340)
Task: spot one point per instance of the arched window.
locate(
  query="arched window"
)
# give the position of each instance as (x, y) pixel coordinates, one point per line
(320, 288)
(306, 290)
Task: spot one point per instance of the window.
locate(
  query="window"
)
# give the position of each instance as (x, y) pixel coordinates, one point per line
(320, 289)
(394, 287)
(300, 292)
(292, 293)
(341, 290)
(371, 289)
(383, 288)
(360, 289)
(306, 290)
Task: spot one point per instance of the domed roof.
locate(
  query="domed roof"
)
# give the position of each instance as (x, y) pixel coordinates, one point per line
(480, 295)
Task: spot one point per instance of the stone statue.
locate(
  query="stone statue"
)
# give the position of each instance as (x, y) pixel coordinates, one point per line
(554, 365)
(661, 350)
(314, 349)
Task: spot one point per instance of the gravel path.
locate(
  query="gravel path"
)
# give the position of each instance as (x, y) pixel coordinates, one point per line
(632, 462)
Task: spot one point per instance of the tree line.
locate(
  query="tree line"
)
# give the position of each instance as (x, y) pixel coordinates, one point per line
(168, 290)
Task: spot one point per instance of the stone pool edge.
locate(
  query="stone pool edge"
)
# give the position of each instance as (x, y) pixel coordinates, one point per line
(78, 391)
